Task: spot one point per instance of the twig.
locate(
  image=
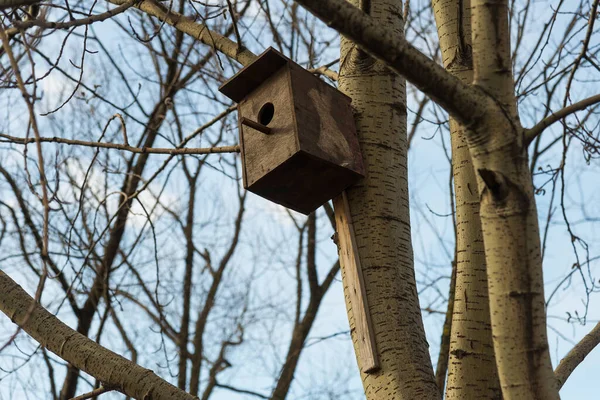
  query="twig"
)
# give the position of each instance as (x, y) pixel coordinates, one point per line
(29, 101)
(325, 71)
(77, 22)
(238, 37)
(194, 29)
(241, 391)
(93, 393)
(124, 147)
(532, 133)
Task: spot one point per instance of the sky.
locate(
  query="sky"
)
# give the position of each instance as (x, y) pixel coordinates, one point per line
(333, 360)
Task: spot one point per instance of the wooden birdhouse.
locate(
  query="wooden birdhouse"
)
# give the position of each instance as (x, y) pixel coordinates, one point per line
(297, 134)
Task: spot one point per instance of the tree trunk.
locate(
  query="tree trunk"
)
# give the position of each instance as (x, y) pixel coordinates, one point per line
(379, 207)
(509, 217)
(472, 372)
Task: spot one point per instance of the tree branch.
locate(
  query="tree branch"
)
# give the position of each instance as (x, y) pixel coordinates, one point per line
(83, 353)
(42, 23)
(124, 147)
(200, 31)
(466, 103)
(577, 355)
(532, 133)
(93, 394)
(16, 3)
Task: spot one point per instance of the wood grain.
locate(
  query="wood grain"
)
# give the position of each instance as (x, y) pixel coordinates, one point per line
(366, 348)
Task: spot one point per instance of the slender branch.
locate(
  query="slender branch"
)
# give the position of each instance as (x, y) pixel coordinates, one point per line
(532, 133)
(77, 22)
(241, 391)
(199, 31)
(123, 147)
(467, 103)
(238, 37)
(325, 71)
(30, 102)
(80, 351)
(93, 393)
(577, 355)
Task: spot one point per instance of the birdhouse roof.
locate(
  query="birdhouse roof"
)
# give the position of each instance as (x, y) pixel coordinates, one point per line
(253, 75)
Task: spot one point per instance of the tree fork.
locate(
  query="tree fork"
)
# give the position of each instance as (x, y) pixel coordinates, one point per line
(509, 218)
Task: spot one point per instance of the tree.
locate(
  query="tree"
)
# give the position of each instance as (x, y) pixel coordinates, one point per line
(494, 343)
(137, 215)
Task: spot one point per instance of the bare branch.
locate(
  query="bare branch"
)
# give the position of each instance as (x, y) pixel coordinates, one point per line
(124, 147)
(93, 393)
(467, 103)
(194, 29)
(577, 355)
(241, 391)
(76, 22)
(325, 71)
(80, 351)
(238, 37)
(532, 133)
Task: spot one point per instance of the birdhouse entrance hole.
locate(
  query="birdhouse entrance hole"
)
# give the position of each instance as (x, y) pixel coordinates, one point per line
(266, 113)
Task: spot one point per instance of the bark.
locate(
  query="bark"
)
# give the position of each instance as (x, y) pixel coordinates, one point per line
(441, 368)
(468, 104)
(379, 208)
(509, 218)
(496, 144)
(114, 371)
(577, 355)
(472, 372)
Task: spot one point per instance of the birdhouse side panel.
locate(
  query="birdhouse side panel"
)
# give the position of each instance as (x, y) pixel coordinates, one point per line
(326, 127)
(269, 105)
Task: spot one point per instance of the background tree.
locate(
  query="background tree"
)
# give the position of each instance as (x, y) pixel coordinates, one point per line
(130, 212)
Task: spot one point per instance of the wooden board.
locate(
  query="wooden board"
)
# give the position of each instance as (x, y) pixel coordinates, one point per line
(263, 153)
(353, 280)
(325, 121)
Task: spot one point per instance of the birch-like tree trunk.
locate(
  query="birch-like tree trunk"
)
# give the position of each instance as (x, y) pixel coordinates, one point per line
(509, 217)
(379, 207)
(472, 370)
(496, 141)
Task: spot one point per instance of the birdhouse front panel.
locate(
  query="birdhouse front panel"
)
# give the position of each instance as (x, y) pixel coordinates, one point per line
(297, 135)
(270, 106)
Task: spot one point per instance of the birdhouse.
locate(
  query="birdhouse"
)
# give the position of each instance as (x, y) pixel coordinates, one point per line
(297, 134)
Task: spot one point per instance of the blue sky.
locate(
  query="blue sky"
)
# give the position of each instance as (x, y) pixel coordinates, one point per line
(271, 227)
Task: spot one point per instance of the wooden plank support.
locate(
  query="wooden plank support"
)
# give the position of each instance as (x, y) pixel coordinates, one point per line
(354, 281)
